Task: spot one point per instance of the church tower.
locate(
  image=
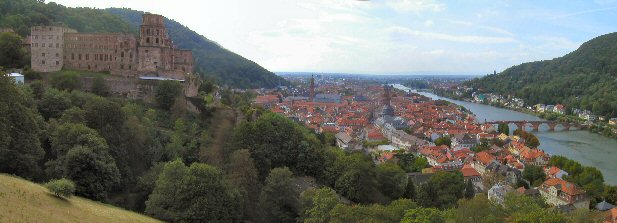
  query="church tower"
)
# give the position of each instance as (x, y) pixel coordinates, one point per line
(312, 89)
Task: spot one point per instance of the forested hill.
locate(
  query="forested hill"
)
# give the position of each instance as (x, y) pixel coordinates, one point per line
(585, 78)
(211, 59)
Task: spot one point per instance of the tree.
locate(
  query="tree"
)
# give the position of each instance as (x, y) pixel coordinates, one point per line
(166, 93)
(476, 210)
(163, 201)
(61, 187)
(442, 190)
(99, 87)
(12, 54)
(469, 190)
(278, 200)
(206, 196)
(375, 213)
(419, 163)
(73, 115)
(392, 180)
(276, 141)
(534, 174)
(316, 204)
(410, 190)
(242, 172)
(94, 174)
(193, 194)
(423, 215)
(503, 128)
(101, 112)
(444, 140)
(66, 81)
(20, 128)
(359, 182)
(53, 103)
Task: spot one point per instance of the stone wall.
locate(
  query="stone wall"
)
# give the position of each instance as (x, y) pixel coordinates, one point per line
(101, 52)
(47, 44)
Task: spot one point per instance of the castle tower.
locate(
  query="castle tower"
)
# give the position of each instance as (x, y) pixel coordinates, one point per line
(155, 48)
(153, 32)
(312, 89)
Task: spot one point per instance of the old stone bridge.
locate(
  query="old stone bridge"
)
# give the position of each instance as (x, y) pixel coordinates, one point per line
(535, 125)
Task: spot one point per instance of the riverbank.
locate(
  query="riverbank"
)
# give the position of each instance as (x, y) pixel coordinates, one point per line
(587, 148)
(602, 129)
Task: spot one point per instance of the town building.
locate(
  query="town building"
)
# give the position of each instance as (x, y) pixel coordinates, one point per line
(497, 193)
(558, 192)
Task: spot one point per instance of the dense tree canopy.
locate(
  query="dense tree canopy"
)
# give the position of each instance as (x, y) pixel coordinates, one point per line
(278, 201)
(12, 55)
(194, 194)
(20, 128)
(276, 141)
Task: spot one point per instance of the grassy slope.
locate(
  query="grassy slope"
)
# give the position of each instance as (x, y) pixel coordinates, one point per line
(24, 201)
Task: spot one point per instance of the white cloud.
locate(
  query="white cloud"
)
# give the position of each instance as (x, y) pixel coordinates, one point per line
(475, 39)
(429, 23)
(416, 6)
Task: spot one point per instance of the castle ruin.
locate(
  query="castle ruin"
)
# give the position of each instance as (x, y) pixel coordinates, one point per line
(133, 64)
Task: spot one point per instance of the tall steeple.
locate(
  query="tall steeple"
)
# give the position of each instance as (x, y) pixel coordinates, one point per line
(312, 89)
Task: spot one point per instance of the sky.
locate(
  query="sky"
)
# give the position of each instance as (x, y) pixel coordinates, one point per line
(387, 36)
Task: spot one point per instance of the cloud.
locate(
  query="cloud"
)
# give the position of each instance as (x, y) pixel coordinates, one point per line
(589, 11)
(401, 33)
(429, 23)
(416, 6)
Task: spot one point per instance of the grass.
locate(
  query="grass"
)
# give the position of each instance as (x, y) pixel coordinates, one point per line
(25, 201)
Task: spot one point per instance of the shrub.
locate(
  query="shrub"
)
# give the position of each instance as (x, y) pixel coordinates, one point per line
(61, 187)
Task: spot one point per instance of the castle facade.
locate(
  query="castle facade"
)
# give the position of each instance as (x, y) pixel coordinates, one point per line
(151, 55)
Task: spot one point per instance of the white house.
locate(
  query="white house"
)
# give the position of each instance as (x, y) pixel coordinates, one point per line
(19, 78)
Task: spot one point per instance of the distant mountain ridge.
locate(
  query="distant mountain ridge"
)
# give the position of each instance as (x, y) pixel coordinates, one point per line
(585, 78)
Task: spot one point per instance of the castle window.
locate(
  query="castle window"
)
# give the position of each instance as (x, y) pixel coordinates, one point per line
(147, 40)
(43, 54)
(57, 45)
(96, 57)
(80, 56)
(130, 67)
(42, 44)
(131, 55)
(87, 56)
(42, 61)
(36, 36)
(88, 66)
(57, 63)
(146, 51)
(121, 54)
(72, 56)
(157, 40)
(57, 55)
(148, 31)
(157, 32)
(36, 45)
(121, 66)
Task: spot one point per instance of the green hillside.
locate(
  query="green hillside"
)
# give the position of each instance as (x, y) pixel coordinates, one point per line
(24, 201)
(211, 59)
(585, 78)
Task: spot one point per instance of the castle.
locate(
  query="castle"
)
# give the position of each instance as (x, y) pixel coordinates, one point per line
(130, 61)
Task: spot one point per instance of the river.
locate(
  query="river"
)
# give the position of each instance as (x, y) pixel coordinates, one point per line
(587, 148)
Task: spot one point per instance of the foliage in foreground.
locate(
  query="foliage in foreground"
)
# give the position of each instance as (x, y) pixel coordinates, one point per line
(61, 187)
